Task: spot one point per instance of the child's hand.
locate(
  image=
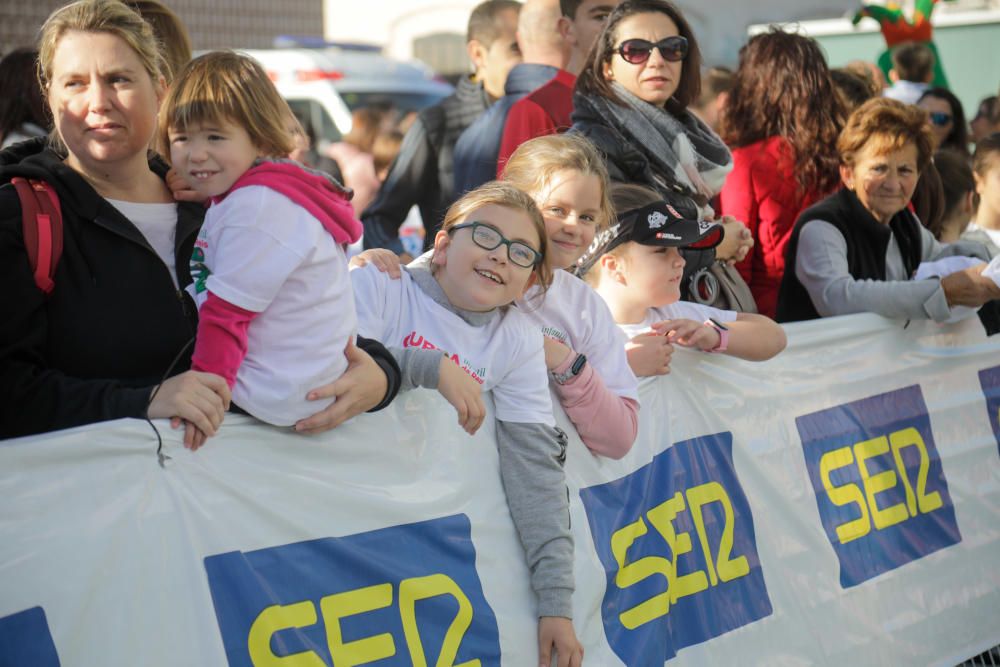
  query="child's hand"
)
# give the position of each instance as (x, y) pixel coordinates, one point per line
(463, 393)
(555, 352)
(649, 354)
(556, 635)
(688, 333)
(384, 260)
(180, 188)
(198, 399)
(194, 437)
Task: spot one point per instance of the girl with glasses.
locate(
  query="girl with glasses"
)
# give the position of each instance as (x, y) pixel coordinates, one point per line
(946, 119)
(447, 319)
(632, 101)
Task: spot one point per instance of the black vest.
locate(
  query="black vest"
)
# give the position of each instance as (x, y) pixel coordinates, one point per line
(867, 242)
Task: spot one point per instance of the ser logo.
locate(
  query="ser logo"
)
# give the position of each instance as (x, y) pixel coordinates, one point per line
(990, 381)
(406, 595)
(677, 542)
(879, 483)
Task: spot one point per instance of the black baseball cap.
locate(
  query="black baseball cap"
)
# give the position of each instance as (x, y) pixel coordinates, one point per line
(659, 224)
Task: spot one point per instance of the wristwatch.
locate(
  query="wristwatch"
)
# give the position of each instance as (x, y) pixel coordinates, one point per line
(575, 369)
(723, 334)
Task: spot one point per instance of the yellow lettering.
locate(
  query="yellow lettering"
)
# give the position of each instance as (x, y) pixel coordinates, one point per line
(728, 569)
(341, 605)
(632, 573)
(273, 619)
(662, 517)
(421, 588)
(844, 495)
(910, 437)
(875, 484)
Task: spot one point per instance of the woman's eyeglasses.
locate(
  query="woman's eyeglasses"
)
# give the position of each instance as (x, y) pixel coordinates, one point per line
(636, 51)
(488, 238)
(940, 118)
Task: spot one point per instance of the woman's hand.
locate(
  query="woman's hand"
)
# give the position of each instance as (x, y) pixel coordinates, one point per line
(384, 260)
(359, 389)
(649, 354)
(688, 333)
(737, 242)
(199, 399)
(969, 287)
(556, 635)
(555, 352)
(463, 393)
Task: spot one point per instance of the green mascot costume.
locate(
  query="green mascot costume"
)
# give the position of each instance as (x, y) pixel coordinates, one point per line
(896, 29)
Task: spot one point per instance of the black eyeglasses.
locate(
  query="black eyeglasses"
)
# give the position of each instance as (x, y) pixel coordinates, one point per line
(636, 51)
(489, 238)
(940, 118)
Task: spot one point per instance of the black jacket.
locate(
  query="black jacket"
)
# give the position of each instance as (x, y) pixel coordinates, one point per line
(92, 350)
(114, 323)
(423, 172)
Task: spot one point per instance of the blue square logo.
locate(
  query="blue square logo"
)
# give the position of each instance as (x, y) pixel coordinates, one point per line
(404, 595)
(677, 542)
(880, 487)
(990, 380)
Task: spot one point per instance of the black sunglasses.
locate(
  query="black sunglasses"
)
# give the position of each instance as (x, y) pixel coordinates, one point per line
(489, 238)
(940, 118)
(636, 51)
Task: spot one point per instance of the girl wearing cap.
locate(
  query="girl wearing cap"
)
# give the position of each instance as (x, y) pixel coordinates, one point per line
(637, 268)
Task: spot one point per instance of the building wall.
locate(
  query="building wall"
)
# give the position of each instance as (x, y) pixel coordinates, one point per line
(211, 23)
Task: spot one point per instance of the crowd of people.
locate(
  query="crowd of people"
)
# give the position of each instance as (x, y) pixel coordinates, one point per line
(590, 202)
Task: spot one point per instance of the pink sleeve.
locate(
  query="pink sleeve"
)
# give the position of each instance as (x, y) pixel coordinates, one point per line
(607, 423)
(222, 338)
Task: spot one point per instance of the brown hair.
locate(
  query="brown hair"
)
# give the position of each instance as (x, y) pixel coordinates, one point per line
(928, 199)
(783, 89)
(169, 30)
(506, 195)
(365, 123)
(891, 125)
(956, 182)
(913, 61)
(987, 154)
(534, 163)
(592, 81)
(717, 80)
(958, 138)
(854, 89)
(22, 98)
(385, 149)
(224, 85)
(484, 21)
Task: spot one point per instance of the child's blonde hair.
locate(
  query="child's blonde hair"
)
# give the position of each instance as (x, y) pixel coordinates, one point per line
(534, 163)
(503, 194)
(625, 197)
(228, 86)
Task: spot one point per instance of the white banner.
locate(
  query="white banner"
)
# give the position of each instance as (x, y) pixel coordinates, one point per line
(839, 504)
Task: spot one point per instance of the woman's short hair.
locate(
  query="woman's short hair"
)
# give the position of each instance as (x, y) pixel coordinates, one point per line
(103, 16)
(534, 163)
(499, 193)
(592, 81)
(229, 86)
(889, 125)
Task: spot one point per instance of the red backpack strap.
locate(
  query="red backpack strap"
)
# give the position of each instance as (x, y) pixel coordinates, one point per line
(41, 222)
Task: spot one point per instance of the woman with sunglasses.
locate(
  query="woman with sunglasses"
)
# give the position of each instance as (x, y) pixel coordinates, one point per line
(632, 101)
(947, 120)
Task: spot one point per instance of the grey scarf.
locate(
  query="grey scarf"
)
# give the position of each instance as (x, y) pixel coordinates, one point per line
(681, 149)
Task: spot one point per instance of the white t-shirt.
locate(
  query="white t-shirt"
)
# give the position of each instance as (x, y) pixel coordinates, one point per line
(506, 356)
(574, 314)
(158, 223)
(680, 310)
(263, 252)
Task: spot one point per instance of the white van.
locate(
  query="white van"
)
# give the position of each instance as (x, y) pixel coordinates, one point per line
(305, 79)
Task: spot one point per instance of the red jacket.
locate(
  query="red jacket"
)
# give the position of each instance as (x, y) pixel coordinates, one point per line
(546, 110)
(761, 191)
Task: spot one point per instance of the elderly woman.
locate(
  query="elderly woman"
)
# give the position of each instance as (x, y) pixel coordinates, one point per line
(856, 250)
(118, 320)
(632, 101)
